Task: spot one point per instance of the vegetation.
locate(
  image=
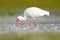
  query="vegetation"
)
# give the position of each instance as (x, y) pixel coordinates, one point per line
(30, 36)
(11, 7)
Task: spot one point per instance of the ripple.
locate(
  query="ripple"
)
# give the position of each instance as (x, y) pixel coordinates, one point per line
(40, 28)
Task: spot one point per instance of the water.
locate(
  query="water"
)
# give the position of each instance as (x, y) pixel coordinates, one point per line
(44, 24)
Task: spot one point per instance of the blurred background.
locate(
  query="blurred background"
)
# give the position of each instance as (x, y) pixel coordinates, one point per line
(13, 7)
(10, 9)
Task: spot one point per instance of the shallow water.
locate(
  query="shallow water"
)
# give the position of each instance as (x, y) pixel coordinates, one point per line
(44, 24)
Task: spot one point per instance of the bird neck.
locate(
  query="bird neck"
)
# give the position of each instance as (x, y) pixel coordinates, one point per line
(25, 17)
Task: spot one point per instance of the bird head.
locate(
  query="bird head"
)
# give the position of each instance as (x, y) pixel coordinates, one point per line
(18, 19)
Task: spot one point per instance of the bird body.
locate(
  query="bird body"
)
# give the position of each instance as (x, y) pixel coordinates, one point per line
(32, 12)
(35, 12)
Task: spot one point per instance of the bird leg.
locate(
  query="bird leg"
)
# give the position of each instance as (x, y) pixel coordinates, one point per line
(35, 22)
(30, 22)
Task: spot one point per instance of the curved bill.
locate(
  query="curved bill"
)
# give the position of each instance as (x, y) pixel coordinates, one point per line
(17, 22)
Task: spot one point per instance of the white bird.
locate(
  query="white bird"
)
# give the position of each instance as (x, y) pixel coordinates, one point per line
(32, 13)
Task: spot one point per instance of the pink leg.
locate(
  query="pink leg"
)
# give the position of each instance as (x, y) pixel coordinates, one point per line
(35, 22)
(30, 22)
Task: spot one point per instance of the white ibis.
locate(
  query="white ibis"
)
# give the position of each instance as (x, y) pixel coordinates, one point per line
(32, 13)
